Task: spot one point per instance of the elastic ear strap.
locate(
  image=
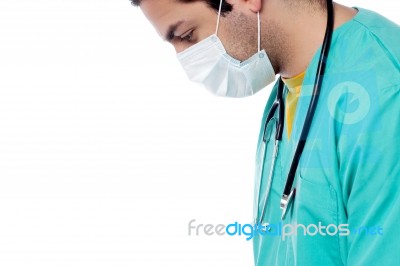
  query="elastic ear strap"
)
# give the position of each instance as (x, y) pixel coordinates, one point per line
(259, 31)
(219, 16)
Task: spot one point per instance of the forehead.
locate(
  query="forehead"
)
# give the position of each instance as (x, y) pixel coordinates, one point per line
(163, 13)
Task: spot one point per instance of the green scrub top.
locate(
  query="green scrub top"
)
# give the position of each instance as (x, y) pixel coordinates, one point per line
(347, 202)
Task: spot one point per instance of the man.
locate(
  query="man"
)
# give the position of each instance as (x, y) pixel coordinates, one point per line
(346, 206)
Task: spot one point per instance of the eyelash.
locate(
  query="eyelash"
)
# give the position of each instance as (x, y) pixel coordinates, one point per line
(187, 37)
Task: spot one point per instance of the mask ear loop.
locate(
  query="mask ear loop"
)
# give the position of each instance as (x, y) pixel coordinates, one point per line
(259, 31)
(219, 16)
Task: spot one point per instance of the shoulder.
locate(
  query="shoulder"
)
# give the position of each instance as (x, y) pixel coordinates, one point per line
(367, 46)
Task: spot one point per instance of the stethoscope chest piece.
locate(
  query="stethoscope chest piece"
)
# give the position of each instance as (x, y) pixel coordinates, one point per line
(286, 202)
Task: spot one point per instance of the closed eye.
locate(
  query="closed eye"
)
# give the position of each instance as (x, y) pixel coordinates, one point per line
(187, 36)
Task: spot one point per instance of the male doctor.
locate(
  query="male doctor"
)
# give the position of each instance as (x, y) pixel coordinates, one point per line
(345, 205)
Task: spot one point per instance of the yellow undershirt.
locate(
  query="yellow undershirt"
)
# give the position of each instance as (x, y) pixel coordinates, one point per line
(294, 88)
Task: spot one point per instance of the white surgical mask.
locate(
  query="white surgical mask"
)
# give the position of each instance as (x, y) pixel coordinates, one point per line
(208, 63)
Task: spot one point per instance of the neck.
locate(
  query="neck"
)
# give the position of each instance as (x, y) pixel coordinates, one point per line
(302, 31)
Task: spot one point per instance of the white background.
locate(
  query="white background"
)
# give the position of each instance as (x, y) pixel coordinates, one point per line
(107, 151)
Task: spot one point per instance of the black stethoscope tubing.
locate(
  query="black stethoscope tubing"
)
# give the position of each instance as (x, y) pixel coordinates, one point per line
(278, 103)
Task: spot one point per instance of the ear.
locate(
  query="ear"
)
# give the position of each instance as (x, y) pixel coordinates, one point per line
(254, 5)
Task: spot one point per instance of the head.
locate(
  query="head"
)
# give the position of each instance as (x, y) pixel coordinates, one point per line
(186, 22)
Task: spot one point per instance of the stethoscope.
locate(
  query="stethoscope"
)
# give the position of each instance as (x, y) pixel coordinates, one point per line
(289, 192)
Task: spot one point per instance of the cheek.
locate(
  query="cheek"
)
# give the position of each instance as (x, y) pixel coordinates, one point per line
(241, 47)
(240, 42)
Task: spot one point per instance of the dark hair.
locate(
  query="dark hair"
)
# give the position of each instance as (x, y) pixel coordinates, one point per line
(214, 4)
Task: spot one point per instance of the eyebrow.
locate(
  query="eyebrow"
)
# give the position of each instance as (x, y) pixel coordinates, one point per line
(171, 31)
